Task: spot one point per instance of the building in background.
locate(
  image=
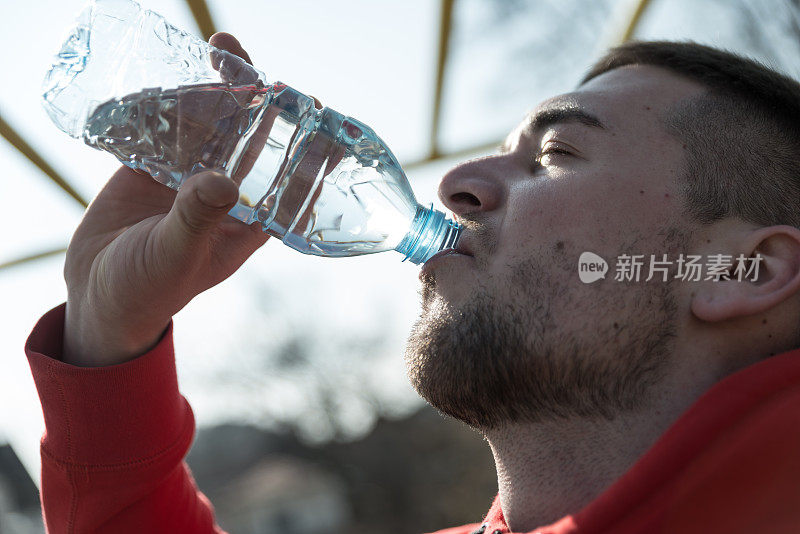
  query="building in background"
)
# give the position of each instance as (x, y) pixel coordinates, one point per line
(410, 475)
(20, 512)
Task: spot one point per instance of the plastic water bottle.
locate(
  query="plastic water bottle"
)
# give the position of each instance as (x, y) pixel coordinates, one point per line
(168, 103)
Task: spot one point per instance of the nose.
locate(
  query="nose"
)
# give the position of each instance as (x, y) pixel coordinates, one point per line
(473, 186)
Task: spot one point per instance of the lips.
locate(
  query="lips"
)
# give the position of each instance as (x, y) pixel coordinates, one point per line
(446, 252)
(461, 250)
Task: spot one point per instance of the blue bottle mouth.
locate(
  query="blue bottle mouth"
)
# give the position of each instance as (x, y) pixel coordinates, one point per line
(431, 231)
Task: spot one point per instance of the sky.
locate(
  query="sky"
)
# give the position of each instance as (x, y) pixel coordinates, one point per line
(381, 73)
(372, 60)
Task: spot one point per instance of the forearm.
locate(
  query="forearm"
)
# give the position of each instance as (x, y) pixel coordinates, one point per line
(116, 436)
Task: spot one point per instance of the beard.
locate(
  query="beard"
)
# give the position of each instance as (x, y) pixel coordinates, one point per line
(542, 349)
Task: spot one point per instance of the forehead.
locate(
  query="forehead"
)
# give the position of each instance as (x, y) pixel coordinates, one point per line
(632, 98)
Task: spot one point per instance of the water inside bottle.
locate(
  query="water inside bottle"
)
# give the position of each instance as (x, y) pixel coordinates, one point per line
(347, 192)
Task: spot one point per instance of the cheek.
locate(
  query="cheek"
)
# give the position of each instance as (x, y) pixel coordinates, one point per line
(545, 215)
(554, 219)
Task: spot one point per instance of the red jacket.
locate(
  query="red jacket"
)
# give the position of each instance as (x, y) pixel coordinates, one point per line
(112, 454)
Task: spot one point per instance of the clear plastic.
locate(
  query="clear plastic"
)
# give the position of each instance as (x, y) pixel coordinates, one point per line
(166, 102)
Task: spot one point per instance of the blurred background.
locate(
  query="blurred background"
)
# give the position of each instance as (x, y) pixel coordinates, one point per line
(294, 365)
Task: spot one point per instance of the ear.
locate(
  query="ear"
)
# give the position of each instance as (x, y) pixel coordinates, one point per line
(778, 277)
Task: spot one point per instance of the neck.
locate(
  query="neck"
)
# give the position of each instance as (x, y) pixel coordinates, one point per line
(551, 469)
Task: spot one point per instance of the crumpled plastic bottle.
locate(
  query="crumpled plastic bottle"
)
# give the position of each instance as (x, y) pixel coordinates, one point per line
(168, 103)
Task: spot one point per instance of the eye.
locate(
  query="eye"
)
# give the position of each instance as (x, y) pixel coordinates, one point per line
(551, 149)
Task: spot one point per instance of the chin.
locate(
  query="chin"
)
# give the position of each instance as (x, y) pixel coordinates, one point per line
(446, 296)
(449, 285)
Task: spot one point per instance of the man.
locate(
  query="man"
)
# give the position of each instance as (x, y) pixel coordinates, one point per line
(664, 403)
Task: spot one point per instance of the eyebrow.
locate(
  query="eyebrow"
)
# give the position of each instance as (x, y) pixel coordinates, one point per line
(556, 114)
(563, 113)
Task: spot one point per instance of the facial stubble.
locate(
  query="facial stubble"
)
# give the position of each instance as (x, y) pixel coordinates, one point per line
(503, 357)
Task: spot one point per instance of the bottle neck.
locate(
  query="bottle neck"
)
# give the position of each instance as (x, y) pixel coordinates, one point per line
(430, 233)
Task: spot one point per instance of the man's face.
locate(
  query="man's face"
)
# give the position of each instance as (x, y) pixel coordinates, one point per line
(510, 332)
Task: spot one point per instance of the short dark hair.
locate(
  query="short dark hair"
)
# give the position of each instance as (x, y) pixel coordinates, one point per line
(742, 137)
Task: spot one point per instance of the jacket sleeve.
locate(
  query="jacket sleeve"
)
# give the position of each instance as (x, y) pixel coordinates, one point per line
(114, 442)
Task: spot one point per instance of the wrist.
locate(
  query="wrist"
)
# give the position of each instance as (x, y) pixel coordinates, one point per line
(99, 340)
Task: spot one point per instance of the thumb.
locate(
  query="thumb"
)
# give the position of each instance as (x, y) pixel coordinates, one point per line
(203, 200)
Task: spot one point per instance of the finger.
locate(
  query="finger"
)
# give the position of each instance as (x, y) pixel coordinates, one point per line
(232, 68)
(226, 41)
(202, 202)
(317, 103)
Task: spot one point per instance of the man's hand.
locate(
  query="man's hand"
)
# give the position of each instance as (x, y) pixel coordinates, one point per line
(143, 251)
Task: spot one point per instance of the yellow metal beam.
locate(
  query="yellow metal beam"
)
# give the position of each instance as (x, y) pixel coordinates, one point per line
(202, 16)
(633, 22)
(434, 152)
(444, 44)
(32, 257)
(27, 150)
